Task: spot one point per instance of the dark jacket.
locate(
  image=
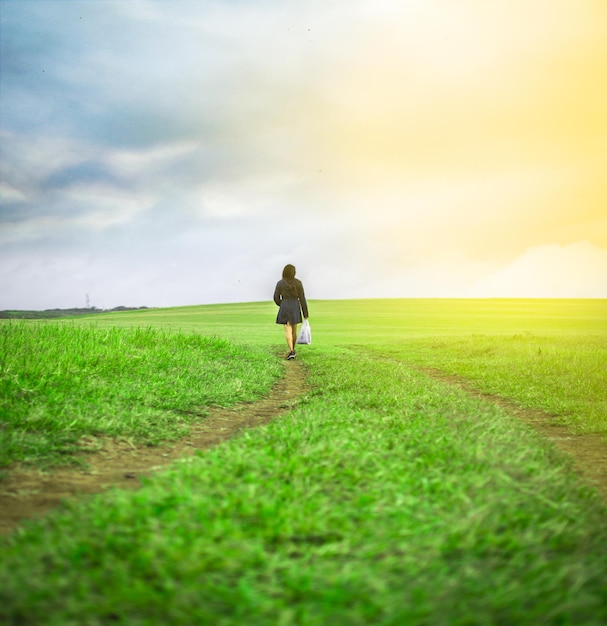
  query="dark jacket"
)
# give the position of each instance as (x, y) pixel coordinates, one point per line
(288, 291)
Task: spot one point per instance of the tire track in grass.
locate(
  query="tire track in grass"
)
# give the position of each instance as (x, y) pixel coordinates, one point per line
(28, 493)
(587, 451)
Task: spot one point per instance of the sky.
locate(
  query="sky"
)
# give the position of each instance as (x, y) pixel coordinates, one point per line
(170, 152)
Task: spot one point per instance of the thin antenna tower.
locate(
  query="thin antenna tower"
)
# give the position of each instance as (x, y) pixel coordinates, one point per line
(88, 301)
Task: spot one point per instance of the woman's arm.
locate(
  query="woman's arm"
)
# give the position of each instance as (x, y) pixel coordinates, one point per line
(277, 294)
(302, 300)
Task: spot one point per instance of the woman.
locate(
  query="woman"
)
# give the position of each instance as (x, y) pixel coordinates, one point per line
(289, 296)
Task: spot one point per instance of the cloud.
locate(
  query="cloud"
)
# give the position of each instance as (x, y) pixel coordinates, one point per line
(386, 148)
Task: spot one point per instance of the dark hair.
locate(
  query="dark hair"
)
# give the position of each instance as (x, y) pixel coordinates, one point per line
(289, 272)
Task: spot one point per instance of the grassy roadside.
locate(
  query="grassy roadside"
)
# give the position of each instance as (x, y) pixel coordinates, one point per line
(542, 354)
(377, 322)
(59, 382)
(562, 375)
(384, 498)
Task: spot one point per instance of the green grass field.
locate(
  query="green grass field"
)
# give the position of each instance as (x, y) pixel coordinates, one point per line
(62, 382)
(384, 497)
(542, 354)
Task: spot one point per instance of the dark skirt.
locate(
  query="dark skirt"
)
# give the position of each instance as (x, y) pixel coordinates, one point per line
(289, 312)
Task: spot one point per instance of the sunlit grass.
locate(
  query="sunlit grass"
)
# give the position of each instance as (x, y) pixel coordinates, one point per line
(543, 354)
(343, 322)
(384, 497)
(564, 376)
(59, 382)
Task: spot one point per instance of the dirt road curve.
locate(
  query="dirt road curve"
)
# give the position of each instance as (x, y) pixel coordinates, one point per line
(30, 493)
(588, 452)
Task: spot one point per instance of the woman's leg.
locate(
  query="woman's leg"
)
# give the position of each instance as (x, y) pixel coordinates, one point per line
(294, 329)
(289, 334)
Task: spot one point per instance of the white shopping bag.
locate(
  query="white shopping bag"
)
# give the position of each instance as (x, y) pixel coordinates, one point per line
(305, 334)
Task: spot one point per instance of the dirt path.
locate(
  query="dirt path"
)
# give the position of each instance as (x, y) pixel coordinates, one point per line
(588, 452)
(30, 493)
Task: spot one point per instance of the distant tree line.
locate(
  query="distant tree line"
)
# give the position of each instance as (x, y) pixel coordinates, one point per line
(51, 313)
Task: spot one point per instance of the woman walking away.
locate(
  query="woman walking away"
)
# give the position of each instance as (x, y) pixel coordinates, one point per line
(289, 296)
